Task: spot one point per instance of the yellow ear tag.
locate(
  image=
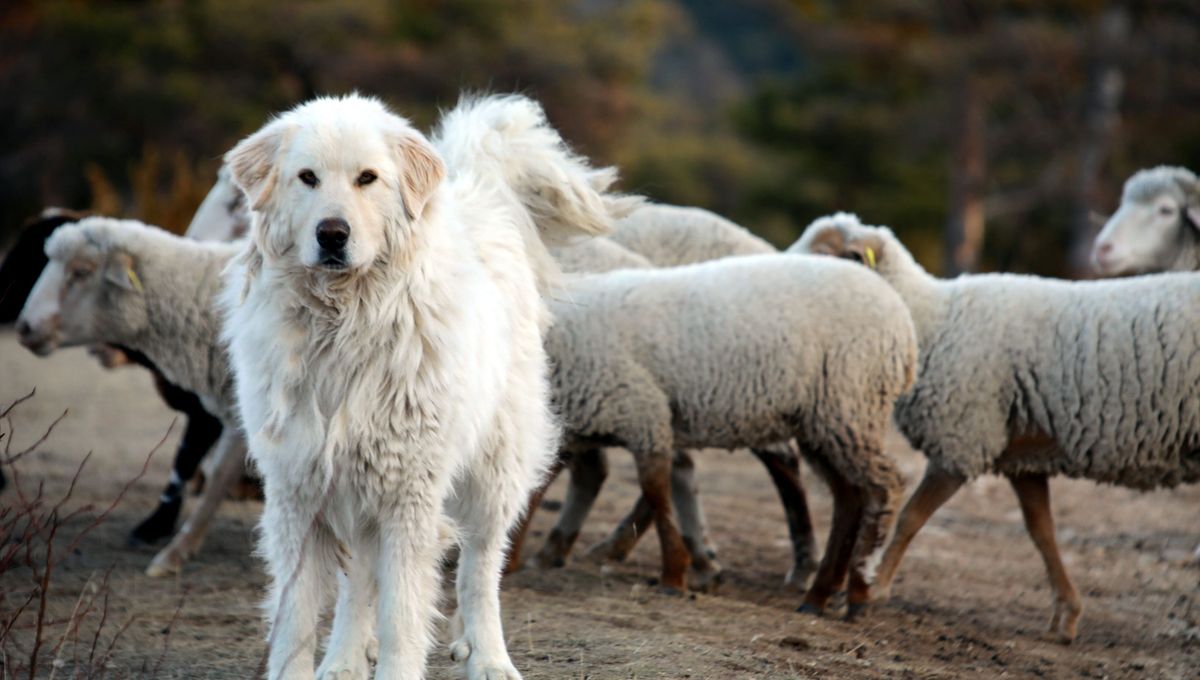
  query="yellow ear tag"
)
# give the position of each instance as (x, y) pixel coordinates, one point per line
(870, 257)
(134, 279)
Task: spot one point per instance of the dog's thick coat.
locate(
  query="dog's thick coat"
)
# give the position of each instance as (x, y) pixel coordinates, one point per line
(406, 383)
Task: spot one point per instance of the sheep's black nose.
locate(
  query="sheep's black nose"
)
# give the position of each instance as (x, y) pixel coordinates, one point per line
(332, 234)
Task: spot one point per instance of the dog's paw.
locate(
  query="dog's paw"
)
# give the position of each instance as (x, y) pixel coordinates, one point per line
(344, 669)
(495, 673)
(499, 667)
(373, 650)
(342, 673)
(460, 650)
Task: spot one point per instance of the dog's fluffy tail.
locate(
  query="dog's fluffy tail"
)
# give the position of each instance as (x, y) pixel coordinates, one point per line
(508, 134)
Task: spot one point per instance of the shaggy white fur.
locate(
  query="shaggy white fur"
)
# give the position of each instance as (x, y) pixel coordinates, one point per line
(401, 379)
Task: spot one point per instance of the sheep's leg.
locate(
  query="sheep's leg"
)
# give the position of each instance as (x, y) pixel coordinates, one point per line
(847, 515)
(624, 537)
(685, 495)
(520, 530)
(785, 473)
(230, 462)
(588, 470)
(622, 540)
(935, 489)
(654, 475)
(203, 431)
(880, 486)
(1033, 491)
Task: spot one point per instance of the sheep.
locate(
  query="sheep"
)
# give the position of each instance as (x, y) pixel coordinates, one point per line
(1157, 227)
(223, 215)
(124, 283)
(668, 236)
(20, 270)
(830, 350)
(1030, 377)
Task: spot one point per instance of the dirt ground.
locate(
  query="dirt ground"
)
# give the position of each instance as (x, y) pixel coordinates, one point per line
(971, 600)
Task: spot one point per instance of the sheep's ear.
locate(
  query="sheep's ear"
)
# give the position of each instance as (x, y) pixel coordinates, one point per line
(421, 171)
(253, 163)
(1192, 213)
(120, 272)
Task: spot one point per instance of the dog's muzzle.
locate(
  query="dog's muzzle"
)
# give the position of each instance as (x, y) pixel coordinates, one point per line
(333, 234)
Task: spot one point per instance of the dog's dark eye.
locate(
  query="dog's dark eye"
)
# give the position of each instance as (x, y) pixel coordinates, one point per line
(1166, 210)
(309, 178)
(366, 178)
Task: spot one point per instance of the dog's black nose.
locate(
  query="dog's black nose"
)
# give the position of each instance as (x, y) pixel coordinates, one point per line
(332, 234)
(23, 328)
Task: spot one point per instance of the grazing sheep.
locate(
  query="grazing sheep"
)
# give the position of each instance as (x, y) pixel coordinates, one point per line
(1157, 227)
(123, 283)
(1029, 378)
(831, 349)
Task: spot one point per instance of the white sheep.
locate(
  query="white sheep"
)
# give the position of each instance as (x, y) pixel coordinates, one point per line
(744, 352)
(667, 236)
(1030, 377)
(670, 235)
(1157, 227)
(121, 282)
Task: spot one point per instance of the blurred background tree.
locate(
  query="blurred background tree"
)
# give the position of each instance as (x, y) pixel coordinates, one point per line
(987, 133)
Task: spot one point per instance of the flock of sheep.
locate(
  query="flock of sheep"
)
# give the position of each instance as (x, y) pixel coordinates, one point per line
(681, 330)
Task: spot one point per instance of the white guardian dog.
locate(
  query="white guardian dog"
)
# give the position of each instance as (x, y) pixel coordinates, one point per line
(385, 331)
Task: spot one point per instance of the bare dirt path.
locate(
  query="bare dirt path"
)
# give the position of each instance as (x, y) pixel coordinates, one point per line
(971, 600)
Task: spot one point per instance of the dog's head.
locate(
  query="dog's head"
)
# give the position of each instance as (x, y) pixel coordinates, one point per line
(335, 183)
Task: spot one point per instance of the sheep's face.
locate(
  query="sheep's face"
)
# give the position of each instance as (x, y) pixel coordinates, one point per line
(1144, 234)
(78, 296)
(335, 184)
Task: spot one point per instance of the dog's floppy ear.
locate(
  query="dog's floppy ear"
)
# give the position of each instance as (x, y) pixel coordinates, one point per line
(421, 171)
(253, 162)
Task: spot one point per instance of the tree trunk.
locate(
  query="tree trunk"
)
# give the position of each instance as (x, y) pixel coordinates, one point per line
(1100, 119)
(963, 238)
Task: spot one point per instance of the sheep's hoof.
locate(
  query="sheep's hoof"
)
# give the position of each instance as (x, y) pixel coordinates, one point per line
(810, 608)
(670, 591)
(165, 563)
(856, 611)
(800, 574)
(706, 580)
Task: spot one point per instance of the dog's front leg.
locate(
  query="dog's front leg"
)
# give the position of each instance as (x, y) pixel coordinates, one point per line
(408, 583)
(300, 557)
(346, 656)
(486, 506)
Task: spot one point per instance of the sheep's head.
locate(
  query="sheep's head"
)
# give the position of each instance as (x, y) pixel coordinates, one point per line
(844, 235)
(1159, 214)
(90, 291)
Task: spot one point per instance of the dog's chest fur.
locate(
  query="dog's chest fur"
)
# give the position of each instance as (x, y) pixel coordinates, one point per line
(374, 392)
